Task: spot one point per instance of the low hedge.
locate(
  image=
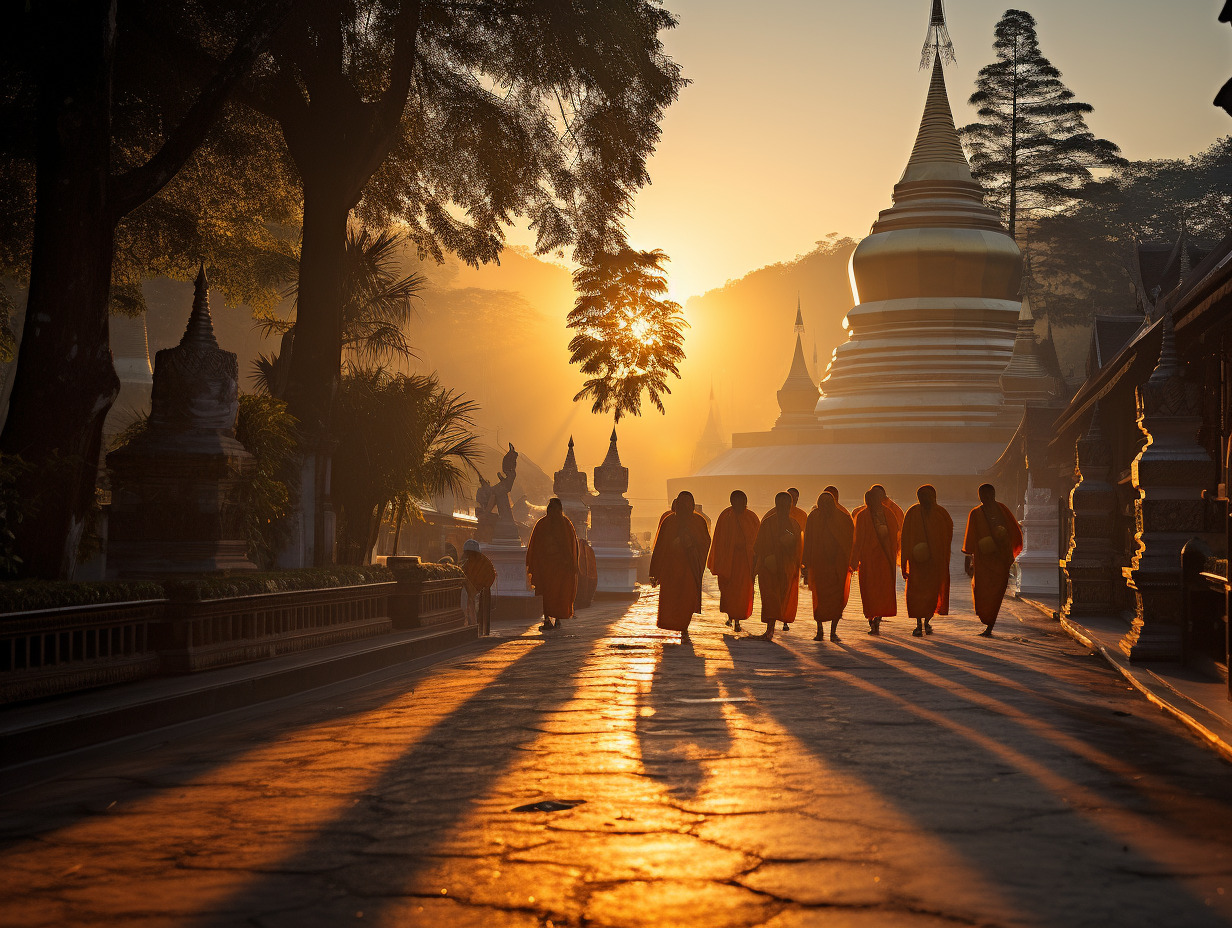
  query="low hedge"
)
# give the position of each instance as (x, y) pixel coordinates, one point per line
(29, 595)
(430, 570)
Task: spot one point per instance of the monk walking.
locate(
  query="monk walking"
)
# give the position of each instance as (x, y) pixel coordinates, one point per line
(731, 558)
(992, 541)
(791, 599)
(833, 491)
(677, 564)
(928, 531)
(777, 553)
(552, 564)
(875, 555)
(480, 575)
(828, 538)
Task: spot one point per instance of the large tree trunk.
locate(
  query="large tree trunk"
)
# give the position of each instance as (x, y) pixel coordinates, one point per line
(65, 383)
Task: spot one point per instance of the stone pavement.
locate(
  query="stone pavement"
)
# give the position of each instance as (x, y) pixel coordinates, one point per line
(731, 782)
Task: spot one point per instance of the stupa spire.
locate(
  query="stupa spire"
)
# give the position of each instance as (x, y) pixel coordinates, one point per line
(200, 330)
(799, 316)
(937, 142)
(937, 44)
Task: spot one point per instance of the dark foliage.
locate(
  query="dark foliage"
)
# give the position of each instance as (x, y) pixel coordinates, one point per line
(1030, 148)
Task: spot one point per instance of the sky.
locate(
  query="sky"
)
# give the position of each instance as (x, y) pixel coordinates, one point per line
(801, 113)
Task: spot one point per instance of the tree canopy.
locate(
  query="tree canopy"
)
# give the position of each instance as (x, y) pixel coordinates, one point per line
(629, 339)
(1030, 147)
(1083, 256)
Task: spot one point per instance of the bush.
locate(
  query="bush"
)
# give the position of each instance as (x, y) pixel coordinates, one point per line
(430, 570)
(197, 589)
(27, 595)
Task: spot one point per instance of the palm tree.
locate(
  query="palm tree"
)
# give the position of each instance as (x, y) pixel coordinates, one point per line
(401, 438)
(377, 306)
(629, 338)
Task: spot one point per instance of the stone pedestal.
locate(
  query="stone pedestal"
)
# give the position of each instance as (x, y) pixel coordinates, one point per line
(512, 597)
(176, 487)
(610, 519)
(1089, 557)
(1169, 475)
(1038, 575)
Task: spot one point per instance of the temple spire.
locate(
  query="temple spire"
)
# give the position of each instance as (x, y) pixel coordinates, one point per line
(937, 142)
(799, 316)
(200, 330)
(937, 44)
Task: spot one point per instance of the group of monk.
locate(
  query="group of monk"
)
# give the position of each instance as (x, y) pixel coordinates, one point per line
(822, 549)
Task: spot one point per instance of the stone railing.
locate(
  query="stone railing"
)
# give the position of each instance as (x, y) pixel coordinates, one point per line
(421, 601)
(55, 651)
(51, 651)
(214, 633)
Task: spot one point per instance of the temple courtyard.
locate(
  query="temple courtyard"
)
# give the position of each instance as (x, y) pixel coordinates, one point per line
(892, 781)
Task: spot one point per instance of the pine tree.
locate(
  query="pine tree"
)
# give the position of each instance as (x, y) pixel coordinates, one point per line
(1031, 149)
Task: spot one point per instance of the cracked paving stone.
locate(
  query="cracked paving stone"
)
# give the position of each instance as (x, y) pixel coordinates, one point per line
(612, 858)
(824, 882)
(791, 836)
(678, 904)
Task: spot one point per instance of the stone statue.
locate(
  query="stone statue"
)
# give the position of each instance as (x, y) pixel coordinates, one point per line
(498, 525)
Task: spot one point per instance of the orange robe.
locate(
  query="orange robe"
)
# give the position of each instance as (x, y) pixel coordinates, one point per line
(479, 570)
(992, 555)
(827, 557)
(791, 601)
(552, 565)
(678, 562)
(777, 554)
(877, 561)
(731, 560)
(928, 577)
(588, 575)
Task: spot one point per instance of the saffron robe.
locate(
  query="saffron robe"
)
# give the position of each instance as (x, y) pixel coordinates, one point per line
(552, 565)
(678, 562)
(992, 549)
(791, 599)
(731, 560)
(479, 570)
(875, 556)
(588, 575)
(828, 539)
(925, 558)
(777, 553)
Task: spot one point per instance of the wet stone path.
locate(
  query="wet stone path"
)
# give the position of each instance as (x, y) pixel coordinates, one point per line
(728, 782)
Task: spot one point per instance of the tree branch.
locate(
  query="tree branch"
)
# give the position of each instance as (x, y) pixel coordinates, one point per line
(128, 191)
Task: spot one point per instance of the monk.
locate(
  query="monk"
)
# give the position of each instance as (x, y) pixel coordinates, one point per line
(833, 491)
(792, 600)
(677, 564)
(875, 555)
(731, 558)
(776, 561)
(588, 575)
(828, 538)
(992, 541)
(480, 575)
(552, 564)
(925, 559)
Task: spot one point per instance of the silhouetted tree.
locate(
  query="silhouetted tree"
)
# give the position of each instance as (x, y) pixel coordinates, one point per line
(1083, 256)
(377, 306)
(401, 439)
(629, 339)
(454, 118)
(1031, 148)
(60, 72)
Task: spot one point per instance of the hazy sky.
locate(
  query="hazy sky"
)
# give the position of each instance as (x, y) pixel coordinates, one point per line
(802, 113)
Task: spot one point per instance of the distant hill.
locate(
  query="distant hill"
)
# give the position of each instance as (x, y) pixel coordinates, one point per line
(742, 334)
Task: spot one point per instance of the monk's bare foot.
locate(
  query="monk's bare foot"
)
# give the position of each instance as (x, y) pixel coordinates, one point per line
(766, 636)
(987, 632)
(834, 637)
(786, 626)
(736, 626)
(928, 628)
(820, 636)
(546, 626)
(874, 626)
(917, 632)
(728, 623)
